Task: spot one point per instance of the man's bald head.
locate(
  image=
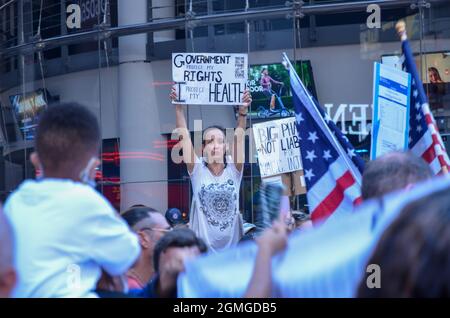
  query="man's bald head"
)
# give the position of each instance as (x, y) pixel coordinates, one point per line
(7, 272)
(393, 171)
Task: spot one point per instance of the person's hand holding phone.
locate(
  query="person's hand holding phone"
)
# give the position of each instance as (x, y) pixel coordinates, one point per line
(274, 239)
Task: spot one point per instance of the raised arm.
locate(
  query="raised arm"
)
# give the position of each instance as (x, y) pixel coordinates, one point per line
(239, 134)
(185, 140)
(272, 241)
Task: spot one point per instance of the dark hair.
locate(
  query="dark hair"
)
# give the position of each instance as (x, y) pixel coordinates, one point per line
(177, 238)
(393, 171)
(66, 135)
(414, 252)
(134, 215)
(224, 136)
(435, 71)
(138, 206)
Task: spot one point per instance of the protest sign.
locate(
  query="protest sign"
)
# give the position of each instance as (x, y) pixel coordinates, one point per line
(209, 78)
(391, 96)
(278, 146)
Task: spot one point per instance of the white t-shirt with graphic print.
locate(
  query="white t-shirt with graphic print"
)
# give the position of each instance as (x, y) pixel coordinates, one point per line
(215, 215)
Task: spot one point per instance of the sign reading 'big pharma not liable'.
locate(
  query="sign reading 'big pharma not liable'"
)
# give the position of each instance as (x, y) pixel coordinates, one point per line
(209, 78)
(278, 146)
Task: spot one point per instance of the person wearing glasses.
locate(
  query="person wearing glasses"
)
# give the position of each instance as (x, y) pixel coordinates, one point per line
(150, 226)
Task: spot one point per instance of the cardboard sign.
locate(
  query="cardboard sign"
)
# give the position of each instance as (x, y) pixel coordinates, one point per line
(209, 78)
(278, 147)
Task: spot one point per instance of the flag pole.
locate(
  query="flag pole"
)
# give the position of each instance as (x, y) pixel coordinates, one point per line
(400, 27)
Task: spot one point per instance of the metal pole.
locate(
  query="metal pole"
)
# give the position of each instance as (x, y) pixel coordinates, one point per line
(7, 4)
(21, 40)
(294, 38)
(422, 4)
(63, 30)
(211, 41)
(186, 36)
(250, 152)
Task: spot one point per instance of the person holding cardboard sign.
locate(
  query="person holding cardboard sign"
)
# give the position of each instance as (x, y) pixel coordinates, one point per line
(215, 179)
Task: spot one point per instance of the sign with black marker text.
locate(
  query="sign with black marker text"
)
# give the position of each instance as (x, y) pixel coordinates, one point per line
(278, 146)
(209, 78)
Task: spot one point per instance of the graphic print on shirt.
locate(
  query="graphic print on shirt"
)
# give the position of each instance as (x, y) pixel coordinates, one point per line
(218, 203)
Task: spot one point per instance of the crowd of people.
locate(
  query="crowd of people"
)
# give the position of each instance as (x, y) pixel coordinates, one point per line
(59, 237)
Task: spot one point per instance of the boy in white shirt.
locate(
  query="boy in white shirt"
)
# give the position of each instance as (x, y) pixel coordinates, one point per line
(65, 231)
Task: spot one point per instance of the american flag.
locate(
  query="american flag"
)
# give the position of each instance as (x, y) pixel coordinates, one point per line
(331, 167)
(424, 138)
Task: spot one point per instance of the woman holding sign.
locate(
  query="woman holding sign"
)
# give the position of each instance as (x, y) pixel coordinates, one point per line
(216, 179)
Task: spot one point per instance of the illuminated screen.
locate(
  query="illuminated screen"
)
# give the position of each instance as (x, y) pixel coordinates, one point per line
(270, 87)
(27, 108)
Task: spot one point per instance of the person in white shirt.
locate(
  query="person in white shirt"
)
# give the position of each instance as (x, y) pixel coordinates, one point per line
(66, 233)
(216, 180)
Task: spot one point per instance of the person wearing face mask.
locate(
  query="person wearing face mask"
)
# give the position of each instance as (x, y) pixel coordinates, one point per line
(66, 233)
(215, 179)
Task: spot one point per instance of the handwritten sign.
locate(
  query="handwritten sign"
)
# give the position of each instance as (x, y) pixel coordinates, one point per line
(278, 146)
(209, 78)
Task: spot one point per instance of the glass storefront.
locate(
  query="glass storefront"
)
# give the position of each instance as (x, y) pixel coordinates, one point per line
(115, 58)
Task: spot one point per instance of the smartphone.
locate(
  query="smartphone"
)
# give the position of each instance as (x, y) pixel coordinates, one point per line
(271, 193)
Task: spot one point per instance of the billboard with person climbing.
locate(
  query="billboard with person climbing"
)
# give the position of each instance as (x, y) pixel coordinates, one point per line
(271, 91)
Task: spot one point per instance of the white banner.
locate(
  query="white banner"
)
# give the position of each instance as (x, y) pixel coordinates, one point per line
(209, 78)
(278, 146)
(327, 261)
